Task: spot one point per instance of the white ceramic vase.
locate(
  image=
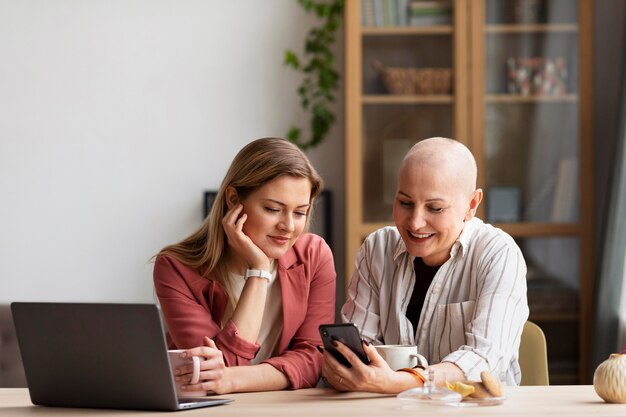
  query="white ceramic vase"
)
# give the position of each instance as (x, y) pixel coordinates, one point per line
(609, 380)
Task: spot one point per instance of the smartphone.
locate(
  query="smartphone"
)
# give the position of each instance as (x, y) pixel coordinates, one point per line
(346, 333)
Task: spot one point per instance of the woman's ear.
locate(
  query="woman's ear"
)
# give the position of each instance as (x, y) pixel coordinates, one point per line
(477, 197)
(232, 198)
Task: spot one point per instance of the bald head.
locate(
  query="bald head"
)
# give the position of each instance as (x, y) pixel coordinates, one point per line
(446, 157)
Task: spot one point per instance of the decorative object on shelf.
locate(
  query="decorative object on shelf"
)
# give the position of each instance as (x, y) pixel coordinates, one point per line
(536, 76)
(321, 79)
(433, 80)
(504, 204)
(609, 379)
(396, 80)
(415, 80)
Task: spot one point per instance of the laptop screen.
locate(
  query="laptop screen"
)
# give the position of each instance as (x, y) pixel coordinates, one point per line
(95, 355)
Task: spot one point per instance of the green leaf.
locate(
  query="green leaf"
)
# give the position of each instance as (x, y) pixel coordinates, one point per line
(291, 59)
(293, 134)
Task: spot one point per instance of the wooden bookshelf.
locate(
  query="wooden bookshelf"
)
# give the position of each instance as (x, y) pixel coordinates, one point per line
(518, 140)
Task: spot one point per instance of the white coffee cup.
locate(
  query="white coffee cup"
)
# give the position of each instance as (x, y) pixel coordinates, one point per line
(176, 361)
(401, 356)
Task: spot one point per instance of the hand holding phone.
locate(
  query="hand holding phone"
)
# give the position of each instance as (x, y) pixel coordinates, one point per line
(346, 333)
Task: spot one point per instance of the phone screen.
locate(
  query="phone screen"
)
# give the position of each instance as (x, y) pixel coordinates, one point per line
(346, 333)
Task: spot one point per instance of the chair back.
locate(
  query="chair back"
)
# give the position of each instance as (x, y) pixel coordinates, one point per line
(533, 356)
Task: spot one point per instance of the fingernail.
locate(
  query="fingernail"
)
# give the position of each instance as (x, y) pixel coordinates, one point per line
(183, 355)
(183, 387)
(335, 343)
(366, 342)
(320, 349)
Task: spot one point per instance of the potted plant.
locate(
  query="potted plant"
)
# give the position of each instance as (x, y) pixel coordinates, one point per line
(317, 64)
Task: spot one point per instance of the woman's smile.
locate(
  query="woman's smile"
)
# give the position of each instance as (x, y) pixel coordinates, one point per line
(280, 240)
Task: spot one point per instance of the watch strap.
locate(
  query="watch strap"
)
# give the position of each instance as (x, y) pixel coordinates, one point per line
(257, 273)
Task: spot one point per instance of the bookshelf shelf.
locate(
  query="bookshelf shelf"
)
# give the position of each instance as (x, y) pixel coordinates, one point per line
(407, 30)
(513, 98)
(407, 99)
(532, 28)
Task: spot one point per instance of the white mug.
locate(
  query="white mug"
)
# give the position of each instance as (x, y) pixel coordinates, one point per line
(176, 361)
(401, 356)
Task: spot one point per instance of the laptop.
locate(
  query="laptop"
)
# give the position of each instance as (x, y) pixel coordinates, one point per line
(98, 356)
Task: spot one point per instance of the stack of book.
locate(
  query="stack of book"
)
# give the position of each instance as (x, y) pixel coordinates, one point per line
(381, 13)
(378, 13)
(429, 12)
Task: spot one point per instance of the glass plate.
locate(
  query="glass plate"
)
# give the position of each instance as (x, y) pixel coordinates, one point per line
(473, 402)
(431, 395)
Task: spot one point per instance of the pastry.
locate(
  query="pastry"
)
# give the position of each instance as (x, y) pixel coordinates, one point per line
(479, 390)
(492, 384)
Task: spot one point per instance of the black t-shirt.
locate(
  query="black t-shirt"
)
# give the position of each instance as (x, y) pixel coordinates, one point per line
(424, 275)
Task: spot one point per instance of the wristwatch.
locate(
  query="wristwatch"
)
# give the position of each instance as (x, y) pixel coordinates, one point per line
(257, 273)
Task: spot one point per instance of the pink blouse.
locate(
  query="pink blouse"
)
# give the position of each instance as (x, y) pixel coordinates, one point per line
(193, 307)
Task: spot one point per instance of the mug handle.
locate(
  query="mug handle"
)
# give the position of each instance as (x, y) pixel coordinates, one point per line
(421, 360)
(195, 376)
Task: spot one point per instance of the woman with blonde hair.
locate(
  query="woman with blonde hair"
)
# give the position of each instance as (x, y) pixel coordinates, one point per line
(247, 291)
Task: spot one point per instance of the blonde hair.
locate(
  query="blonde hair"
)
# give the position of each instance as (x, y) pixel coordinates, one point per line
(256, 164)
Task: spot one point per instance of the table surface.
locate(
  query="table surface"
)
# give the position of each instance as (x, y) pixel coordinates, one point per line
(573, 400)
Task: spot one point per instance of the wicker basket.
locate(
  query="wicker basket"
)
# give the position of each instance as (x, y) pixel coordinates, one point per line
(433, 81)
(415, 81)
(399, 80)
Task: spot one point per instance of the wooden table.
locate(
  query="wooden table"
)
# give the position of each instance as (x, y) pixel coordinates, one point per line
(554, 401)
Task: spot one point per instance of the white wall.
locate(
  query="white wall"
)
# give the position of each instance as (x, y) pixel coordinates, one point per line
(115, 116)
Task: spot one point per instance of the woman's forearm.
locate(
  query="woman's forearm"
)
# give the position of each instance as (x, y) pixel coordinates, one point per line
(261, 377)
(248, 314)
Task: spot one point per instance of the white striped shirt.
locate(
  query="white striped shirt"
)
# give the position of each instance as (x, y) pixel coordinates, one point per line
(474, 310)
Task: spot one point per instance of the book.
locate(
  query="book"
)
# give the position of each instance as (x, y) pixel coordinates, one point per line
(367, 13)
(403, 12)
(429, 12)
(420, 7)
(565, 207)
(378, 12)
(430, 20)
(391, 13)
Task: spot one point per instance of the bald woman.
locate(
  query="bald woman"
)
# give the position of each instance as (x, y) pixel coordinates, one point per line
(440, 279)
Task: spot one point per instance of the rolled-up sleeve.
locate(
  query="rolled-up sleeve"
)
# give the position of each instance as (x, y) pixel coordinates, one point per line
(186, 300)
(493, 334)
